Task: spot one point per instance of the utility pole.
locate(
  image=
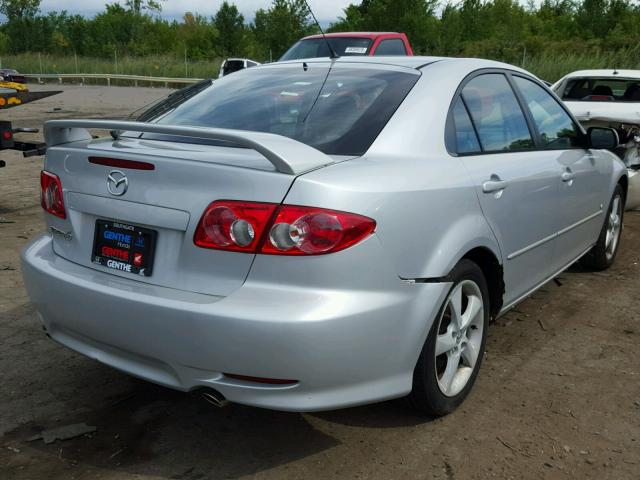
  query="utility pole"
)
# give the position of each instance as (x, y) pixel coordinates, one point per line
(115, 57)
(186, 66)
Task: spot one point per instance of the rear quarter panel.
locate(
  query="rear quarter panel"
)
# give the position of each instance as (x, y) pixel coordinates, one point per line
(422, 198)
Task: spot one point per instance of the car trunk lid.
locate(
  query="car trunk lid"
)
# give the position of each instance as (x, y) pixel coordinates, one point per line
(168, 199)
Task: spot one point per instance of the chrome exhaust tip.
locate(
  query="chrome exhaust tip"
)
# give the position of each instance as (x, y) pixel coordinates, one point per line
(215, 398)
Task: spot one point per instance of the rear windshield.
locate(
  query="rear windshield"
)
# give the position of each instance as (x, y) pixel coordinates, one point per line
(317, 47)
(338, 110)
(602, 90)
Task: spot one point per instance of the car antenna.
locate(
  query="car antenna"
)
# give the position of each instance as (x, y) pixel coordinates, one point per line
(333, 55)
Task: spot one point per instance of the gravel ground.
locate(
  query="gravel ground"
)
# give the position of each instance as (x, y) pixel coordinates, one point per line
(558, 395)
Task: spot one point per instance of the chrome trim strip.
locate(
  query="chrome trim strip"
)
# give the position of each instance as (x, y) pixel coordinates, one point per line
(517, 253)
(577, 224)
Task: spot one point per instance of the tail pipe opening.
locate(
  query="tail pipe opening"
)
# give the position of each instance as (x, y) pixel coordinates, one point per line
(214, 397)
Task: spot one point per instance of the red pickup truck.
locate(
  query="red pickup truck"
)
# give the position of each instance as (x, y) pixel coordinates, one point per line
(352, 43)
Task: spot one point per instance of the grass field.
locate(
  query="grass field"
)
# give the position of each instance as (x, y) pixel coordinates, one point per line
(552, 68)
(549, 68)
(153, 66)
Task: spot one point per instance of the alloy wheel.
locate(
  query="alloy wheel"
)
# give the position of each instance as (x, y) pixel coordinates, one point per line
(459, 337)
(614, 226)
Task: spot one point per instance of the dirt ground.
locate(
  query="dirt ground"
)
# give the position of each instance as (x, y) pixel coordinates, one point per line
(558, 396)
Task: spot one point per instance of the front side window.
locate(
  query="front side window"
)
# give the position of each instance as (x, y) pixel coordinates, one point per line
(391, 46)
(557, 130)
(339, 111)
(496, 114)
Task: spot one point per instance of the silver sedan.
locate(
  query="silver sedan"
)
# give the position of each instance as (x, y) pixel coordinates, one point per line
(319, 234)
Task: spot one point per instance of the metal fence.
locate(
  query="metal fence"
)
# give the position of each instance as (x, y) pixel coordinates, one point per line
(135, 79)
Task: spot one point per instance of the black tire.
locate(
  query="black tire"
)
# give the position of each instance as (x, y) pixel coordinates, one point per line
(600, 257)
(426, 395)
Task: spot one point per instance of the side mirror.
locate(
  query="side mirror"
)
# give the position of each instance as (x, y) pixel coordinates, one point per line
(603, 138)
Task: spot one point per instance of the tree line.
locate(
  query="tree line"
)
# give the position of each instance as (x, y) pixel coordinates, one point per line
(500, 29)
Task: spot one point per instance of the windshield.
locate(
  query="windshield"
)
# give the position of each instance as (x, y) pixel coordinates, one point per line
(340, 113)
(602, 90)
(317, 47)
(231, 66)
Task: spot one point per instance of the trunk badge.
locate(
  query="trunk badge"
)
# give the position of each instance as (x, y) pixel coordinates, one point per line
(117, 183)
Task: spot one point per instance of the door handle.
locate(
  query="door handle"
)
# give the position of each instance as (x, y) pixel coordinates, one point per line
(567, 176)
(496, 185)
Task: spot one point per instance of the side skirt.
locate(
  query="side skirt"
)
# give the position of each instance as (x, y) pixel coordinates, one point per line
(506, 308)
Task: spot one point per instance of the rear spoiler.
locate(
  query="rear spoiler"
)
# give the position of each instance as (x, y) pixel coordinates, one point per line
(287, 155)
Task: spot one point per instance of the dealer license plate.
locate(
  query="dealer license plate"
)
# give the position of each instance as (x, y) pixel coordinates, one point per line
(124, 247)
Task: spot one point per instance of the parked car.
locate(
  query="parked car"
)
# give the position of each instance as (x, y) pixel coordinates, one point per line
(319, 237)
(609, 98)
(10, 75)
(350, 44)
(231, 65)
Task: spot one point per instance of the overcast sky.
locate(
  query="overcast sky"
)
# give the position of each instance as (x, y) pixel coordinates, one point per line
(325, 10)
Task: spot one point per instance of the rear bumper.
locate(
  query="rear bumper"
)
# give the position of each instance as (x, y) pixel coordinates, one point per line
(345, 347)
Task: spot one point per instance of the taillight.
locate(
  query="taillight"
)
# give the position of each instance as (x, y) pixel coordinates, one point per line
(313, 231)
(279, 230)
(51, 194)
(233, 225)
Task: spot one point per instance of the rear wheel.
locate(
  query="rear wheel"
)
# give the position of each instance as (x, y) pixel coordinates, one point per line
(604, 252)
(452, 354)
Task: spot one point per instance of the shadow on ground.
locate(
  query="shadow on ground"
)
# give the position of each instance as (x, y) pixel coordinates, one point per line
(151, 430)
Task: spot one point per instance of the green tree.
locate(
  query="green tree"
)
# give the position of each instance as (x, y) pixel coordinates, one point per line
(196, 36)
(279, 27)
(137, 6)
(19, 9)
(231, 31)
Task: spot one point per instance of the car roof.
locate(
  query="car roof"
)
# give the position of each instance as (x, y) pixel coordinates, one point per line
(352, 34)
(414, 62)
(602, 73)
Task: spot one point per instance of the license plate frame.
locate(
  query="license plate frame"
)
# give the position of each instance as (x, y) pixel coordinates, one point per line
(124, 247)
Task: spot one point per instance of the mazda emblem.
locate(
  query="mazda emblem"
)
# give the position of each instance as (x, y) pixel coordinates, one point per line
(117, 183)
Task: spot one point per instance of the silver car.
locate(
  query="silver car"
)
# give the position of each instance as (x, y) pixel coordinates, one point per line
(320, 234)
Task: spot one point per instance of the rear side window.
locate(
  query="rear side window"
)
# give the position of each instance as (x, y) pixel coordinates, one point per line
(496, 114)
(557, 130)
(465, 137)
(391, 46)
